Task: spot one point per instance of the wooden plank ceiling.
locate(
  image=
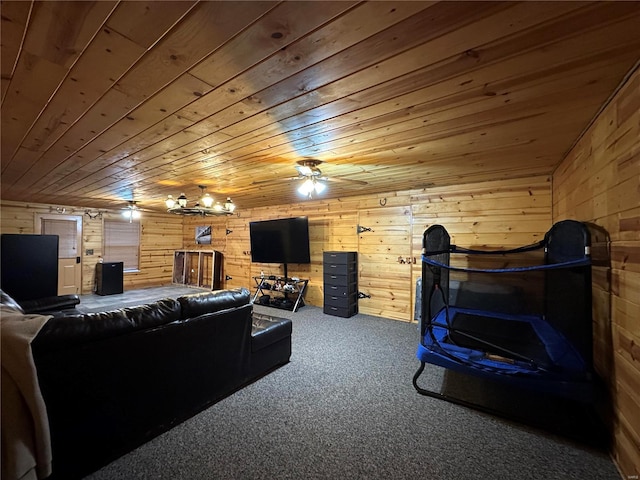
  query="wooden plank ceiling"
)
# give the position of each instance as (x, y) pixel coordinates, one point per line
(105, 102)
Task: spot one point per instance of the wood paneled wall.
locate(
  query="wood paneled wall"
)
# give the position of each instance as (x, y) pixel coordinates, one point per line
(497, 214)
(160, 236)
(599, 182)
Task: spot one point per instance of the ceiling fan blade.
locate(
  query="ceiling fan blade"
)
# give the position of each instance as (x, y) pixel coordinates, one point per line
(343, 180)
(275, 180)
(133, 205)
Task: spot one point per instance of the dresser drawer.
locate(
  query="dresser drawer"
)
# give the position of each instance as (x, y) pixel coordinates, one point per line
(340, 290)
(339, 300)
(338, 257)
(339, 268)
(333, 279)
(345, 312)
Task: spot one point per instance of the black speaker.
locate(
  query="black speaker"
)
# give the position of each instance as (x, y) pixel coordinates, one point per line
(109, 278)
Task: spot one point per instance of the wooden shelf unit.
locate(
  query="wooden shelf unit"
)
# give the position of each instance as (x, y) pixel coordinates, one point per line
(198, 268)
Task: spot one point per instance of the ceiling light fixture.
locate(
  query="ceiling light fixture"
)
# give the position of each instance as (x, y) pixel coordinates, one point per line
(310, 174)
(204, 207)
(311, 185)
(131, 213)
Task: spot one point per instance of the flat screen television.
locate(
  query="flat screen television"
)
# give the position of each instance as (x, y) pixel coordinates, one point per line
(284, 240)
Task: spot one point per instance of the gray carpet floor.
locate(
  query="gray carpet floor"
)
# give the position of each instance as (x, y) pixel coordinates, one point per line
(345, 408)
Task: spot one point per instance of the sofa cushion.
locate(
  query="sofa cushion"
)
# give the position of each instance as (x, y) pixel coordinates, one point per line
(51, 304)
(198, 304)
(62, 332)
(266, 330)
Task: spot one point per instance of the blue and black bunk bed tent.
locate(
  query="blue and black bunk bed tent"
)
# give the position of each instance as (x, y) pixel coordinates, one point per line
(521, 316)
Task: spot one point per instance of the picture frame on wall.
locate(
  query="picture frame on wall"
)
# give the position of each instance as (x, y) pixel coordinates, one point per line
(203, 235)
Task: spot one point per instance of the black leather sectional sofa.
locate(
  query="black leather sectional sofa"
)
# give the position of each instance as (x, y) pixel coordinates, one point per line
(112, 381)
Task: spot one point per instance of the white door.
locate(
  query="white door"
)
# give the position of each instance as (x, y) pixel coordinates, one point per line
(69, 231)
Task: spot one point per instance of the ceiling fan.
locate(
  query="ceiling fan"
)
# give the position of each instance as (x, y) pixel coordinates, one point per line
(131, 212)
(311, 177)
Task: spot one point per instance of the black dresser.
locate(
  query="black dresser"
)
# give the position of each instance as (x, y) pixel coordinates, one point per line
(340, 283)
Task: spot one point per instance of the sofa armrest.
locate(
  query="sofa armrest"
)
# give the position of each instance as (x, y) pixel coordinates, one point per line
(50, 304)
(266, 330)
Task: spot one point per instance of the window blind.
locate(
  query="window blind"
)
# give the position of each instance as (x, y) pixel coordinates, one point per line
(67, 235)
(122, 243)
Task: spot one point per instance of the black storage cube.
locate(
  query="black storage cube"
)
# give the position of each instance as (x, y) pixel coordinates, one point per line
(109, 278)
